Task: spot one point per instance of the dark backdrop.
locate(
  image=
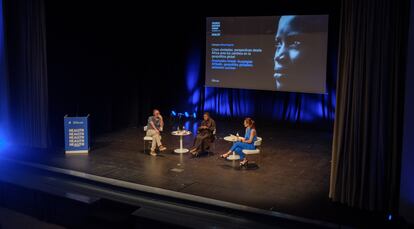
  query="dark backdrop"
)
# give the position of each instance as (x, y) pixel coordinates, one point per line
(118, 61)
(407, 168)
(26, 78)
(112, 62)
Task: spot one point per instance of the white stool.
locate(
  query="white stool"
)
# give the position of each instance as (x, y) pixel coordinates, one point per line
(146, 138)
(256, 151)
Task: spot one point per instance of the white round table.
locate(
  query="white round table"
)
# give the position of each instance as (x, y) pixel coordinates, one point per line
(181, 133)
(233, 139)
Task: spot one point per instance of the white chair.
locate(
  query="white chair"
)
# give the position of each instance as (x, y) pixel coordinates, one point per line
(256, 151)
(147, 139)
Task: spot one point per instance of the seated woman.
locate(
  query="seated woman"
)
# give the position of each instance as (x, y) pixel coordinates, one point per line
(204, 135)
(244, 143)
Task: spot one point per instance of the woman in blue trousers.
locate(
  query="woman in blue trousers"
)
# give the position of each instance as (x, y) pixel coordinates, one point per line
(244, 143)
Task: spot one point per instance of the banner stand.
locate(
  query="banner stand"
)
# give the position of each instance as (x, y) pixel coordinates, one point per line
(76, 135)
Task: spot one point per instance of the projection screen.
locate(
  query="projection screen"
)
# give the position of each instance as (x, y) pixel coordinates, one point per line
(278, 53)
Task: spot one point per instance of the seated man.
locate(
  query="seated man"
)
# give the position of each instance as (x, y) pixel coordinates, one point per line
(204, 135)
(154, 128)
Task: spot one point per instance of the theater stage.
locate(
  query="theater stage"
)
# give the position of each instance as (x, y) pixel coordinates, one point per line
(293, 173)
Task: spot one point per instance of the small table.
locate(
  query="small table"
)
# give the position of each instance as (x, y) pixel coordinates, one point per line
(181, 133)
(233, 139)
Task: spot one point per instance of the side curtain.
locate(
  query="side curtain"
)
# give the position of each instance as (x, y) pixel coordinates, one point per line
(27, 69)
(369, 111)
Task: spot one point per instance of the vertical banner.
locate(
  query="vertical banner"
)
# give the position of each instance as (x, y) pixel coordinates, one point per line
(76, 135)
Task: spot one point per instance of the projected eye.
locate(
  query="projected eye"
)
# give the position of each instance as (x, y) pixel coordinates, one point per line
(295, 44)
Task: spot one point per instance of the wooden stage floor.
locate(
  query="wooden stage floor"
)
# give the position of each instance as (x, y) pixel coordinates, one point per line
(293, 173)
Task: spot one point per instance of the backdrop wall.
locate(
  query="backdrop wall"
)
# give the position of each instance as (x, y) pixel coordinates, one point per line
(116, 63)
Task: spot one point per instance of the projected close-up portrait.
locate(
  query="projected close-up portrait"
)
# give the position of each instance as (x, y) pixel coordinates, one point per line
(300, 50)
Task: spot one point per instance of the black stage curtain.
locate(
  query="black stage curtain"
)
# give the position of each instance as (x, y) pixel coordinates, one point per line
(123, 66)
(26, 57)
(368, 125)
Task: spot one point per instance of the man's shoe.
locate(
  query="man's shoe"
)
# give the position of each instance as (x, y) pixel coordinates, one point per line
(152, 153)
(163, 148)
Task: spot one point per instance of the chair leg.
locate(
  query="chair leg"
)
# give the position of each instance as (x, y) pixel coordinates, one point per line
(149, 145)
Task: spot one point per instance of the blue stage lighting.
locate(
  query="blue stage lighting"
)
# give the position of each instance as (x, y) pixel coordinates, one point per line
(4, 112)
(3, 141)
(186, 114)
(194, 115)
(173, 113)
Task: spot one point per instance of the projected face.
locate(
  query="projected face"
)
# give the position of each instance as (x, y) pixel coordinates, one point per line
(292, 51)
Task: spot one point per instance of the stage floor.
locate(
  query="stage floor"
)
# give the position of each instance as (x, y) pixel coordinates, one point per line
(293, 173)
